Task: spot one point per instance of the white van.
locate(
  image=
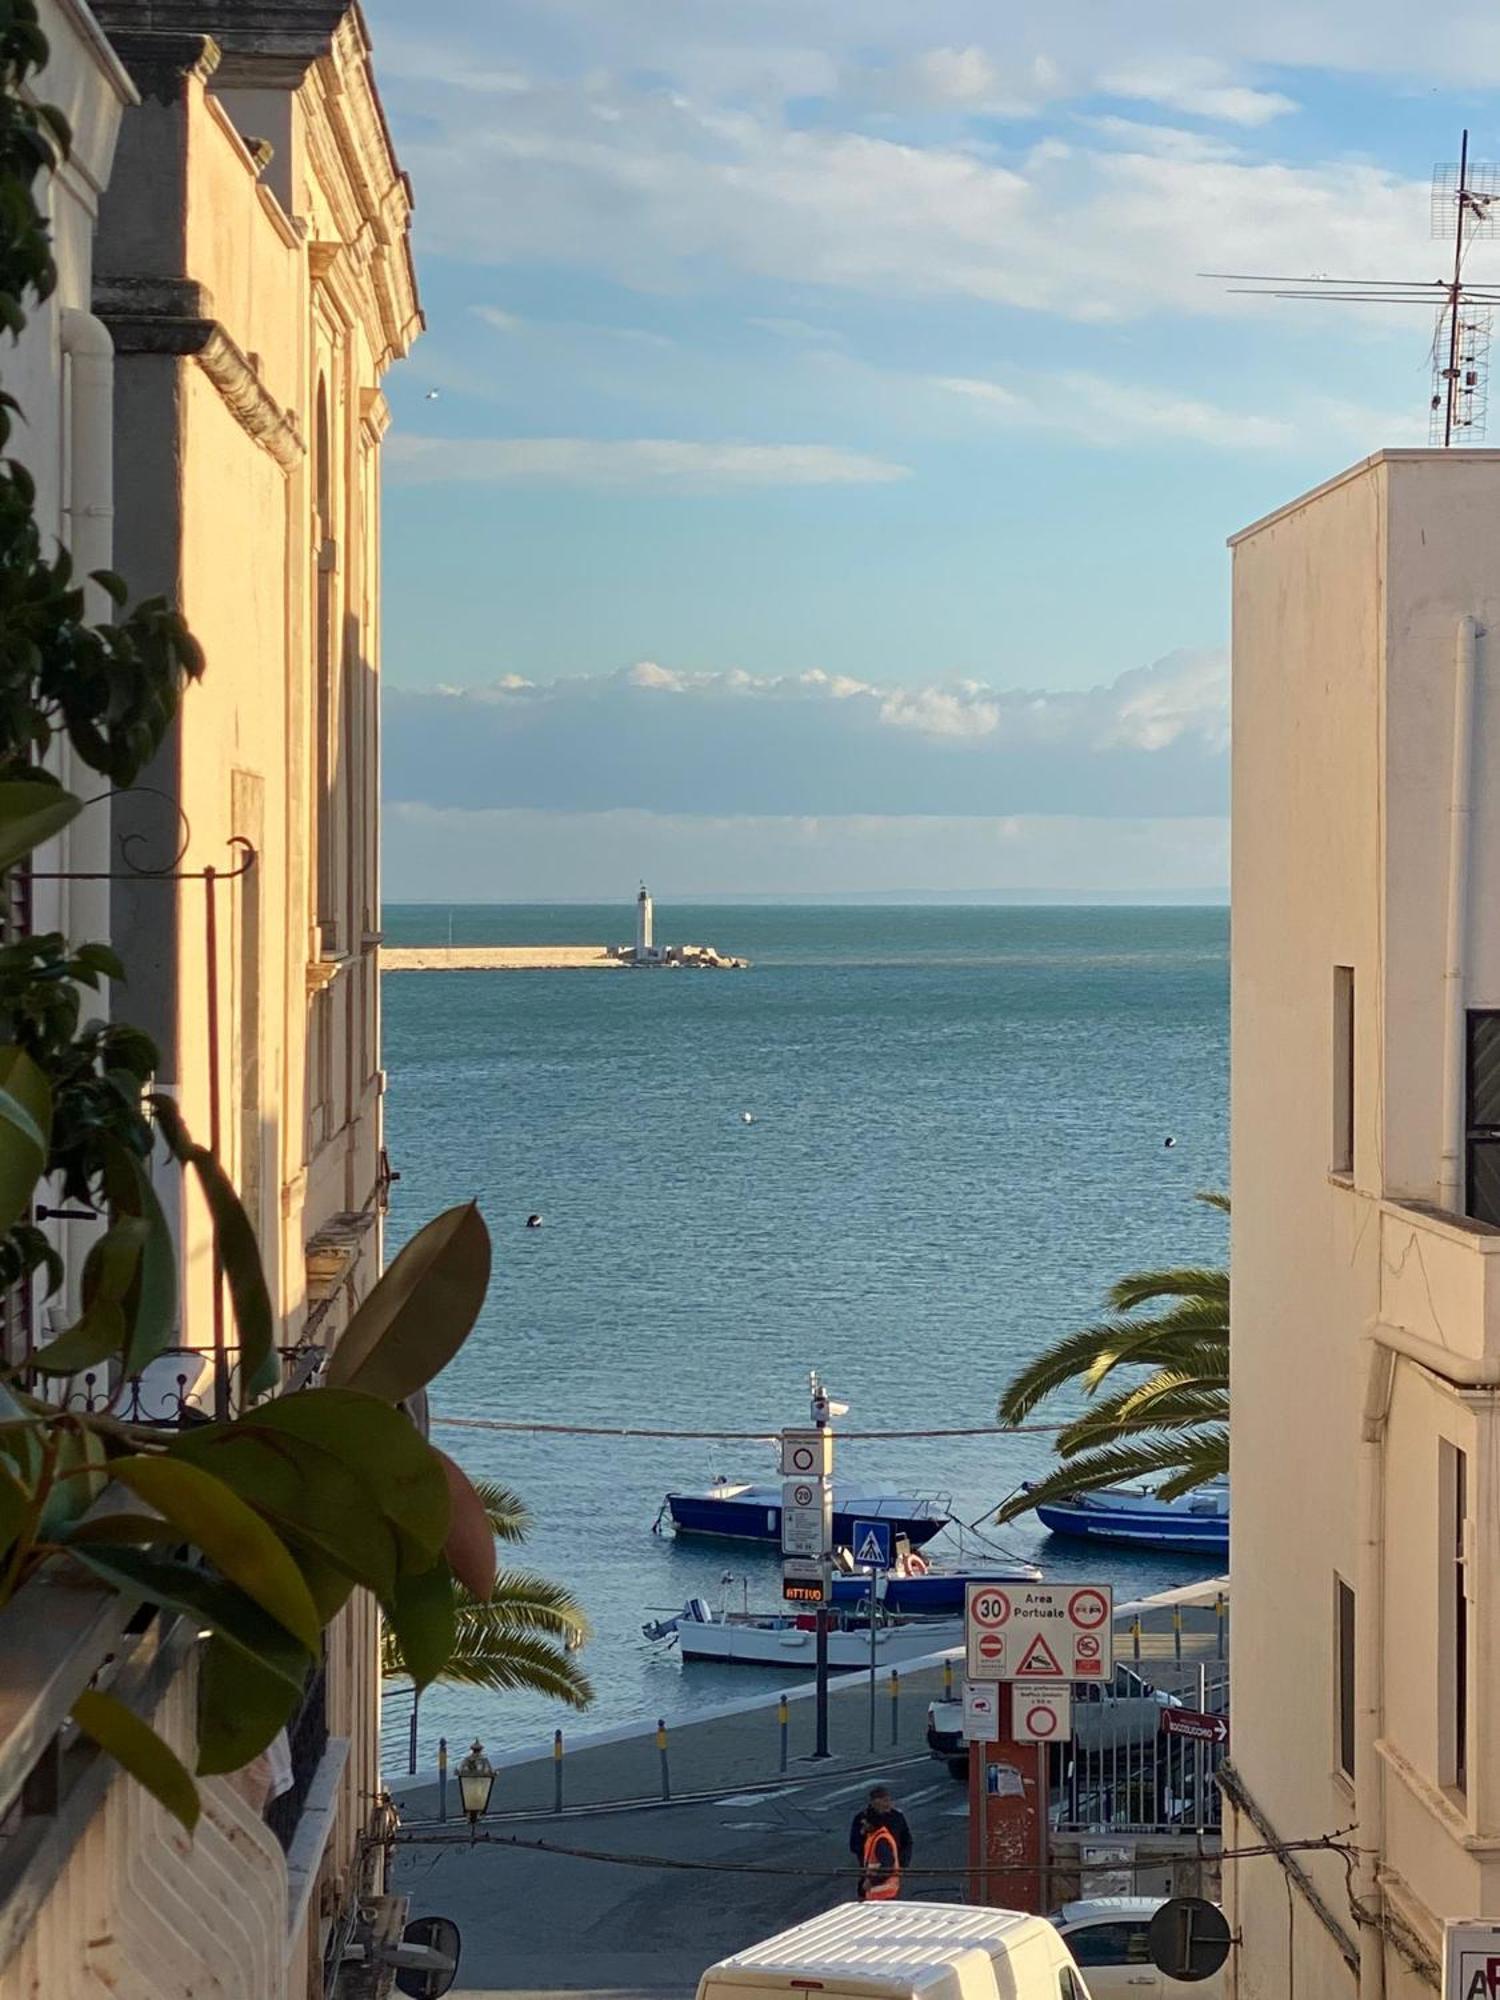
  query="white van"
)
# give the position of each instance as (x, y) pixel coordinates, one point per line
(904, 1951)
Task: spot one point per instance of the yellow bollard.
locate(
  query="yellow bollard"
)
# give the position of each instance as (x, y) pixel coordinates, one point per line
(783, 1716)
(661, 1744)
(947, 1680)
(895, 1706)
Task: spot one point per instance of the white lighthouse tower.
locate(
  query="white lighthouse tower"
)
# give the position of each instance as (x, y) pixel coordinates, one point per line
(644, 925)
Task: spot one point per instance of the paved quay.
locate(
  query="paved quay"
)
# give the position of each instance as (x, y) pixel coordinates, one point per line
(542, 1924)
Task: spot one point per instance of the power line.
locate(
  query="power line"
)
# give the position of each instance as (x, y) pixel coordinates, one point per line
(527, 1425)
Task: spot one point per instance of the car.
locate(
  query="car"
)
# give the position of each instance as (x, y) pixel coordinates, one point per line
(1124, 1717)
(1109, 1937)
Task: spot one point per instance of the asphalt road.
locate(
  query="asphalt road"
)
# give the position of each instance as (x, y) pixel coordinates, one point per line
(536, 1925)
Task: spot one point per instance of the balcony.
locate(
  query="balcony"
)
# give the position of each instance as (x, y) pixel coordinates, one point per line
(1440, 1288)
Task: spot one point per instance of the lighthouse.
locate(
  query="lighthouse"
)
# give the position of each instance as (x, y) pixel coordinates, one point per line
(643, 925)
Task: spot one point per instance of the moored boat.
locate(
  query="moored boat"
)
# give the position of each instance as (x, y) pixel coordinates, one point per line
(729, 1511)
(1135, 1516)
(788, 1640)
(930, 1590)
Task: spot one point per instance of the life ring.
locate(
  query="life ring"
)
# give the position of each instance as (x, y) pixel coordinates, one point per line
(916, 1565)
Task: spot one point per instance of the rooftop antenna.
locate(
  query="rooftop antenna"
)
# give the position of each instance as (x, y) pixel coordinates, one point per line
(1465, 206)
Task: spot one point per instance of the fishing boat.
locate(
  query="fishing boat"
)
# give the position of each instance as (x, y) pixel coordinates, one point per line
(736, 1512)
(1196, 1523)
(788, 1640)
(929, 1590)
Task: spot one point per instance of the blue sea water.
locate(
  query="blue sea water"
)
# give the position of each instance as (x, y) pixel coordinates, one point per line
(958, 1142)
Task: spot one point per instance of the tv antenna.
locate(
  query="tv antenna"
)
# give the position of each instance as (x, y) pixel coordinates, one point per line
(1465, 207)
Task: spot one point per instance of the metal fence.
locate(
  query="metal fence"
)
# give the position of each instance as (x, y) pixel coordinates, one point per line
(1126, 1771)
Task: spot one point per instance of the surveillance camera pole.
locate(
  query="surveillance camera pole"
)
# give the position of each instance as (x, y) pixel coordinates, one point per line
(820, 1414)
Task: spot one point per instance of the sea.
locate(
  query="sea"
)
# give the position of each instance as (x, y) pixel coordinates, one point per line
(957, 1138)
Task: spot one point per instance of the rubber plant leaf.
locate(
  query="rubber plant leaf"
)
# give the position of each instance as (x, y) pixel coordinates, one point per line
(470, 1547)
(420, 1313)
(242, 1706)
(179, 1586)
(233, 1536)
(137, 1748)
(31, 812)
(400, 1471)
(151, 1303)
(239, 1253)
(109, 1273)
(20, 1439)
(25, 1129)
(14, 1502)
(423, 1616)
(307, 1495)
(81, 1479)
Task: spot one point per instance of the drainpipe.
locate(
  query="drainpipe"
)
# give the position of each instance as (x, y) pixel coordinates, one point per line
(1465, 665)
(89, 355)
(1369, 1668)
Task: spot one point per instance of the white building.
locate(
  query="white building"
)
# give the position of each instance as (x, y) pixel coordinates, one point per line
(1366, 1182)
(645, 923)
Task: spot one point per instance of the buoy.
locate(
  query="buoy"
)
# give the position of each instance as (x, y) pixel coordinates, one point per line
(1169, 1142)
(533, 1222)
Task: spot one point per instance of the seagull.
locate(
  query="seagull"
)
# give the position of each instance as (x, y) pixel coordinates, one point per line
(433, 394)
(1169, 1142)
(747, 1117)
(533, 1222)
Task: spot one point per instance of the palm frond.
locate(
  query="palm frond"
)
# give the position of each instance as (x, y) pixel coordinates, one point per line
(509, 1516)
(1210, 1199)
(1187, 1458)
(1167, 1400)
(516, 1663)
(1160, 1342)
(1189, 1281)
(525, 1603)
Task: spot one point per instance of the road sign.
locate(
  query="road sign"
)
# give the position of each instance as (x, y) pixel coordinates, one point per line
(1041, 1713)
(1471, 1961)
(803, 1580)
(1188, 1939)
(806, 1517)
(1059, 1632)
(872, 1544)
(1197, 1727)
(981, 1712)
(806, 1454)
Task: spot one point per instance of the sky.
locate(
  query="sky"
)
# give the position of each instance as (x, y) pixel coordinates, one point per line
(815, 475)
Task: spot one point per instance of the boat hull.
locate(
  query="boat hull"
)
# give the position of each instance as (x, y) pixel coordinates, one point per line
(756, 1522)
(938, 1594)
(793, 1648)
(1124, 1526)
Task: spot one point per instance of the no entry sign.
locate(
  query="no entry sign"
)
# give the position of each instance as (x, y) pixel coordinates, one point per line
(1057, 1632)
(1041, 1714)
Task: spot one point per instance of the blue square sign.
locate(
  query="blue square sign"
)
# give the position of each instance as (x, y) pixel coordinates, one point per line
(872, 1544)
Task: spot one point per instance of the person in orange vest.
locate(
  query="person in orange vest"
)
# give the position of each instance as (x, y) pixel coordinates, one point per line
(880, 1841)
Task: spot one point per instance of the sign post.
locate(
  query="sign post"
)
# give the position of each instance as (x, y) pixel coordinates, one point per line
(1471, 1960)
(872, 1551)
(807, 1532)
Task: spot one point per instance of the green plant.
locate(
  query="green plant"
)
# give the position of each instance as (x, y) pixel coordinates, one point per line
(520, 1637)
(258, 1528)
(1174, 1422)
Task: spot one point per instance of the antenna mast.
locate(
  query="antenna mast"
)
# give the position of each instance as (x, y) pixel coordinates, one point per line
(1465, 200)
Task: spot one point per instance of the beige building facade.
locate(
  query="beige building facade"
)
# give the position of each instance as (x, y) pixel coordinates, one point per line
(251, 284)
(1366, 1251)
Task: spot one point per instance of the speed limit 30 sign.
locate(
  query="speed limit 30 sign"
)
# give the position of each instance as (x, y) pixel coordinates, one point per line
(1057, 1632)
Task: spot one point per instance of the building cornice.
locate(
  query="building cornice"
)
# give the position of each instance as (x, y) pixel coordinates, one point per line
(265, 42)
(160, 63)
(173, 316)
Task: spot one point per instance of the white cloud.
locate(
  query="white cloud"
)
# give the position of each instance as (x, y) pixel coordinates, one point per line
(655, 736)
(525, 855)
(1116, 413)
(1199, 87)
(662, 464)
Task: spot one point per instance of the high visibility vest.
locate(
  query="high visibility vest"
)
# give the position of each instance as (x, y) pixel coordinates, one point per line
(882, 1866)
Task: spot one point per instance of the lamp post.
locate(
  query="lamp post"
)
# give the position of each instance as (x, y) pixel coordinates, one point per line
(476, 1780)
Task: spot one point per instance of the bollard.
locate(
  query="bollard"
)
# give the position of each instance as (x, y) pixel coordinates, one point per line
(661, 1744)
(411, 1748)
(947, 1680)
(1135, 1638)
(557, 1770)
(1177, 1633)
(1220, 1608)
(895, 1706)
(783, 1717)
(442, 1777)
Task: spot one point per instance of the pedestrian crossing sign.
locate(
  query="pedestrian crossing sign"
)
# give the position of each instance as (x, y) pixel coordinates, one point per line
(872, 1544)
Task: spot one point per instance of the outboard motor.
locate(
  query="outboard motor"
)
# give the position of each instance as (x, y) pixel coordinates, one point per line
(698, 1611)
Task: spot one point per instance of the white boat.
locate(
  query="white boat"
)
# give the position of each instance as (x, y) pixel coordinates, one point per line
(788, 1639)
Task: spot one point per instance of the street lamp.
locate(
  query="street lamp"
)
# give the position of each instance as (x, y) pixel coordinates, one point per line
(476, 1780)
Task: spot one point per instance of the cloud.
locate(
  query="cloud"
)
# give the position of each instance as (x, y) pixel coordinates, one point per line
(634, 464)
(1116, 413)
(525, 855)
(1152, 743)
(1199, 87)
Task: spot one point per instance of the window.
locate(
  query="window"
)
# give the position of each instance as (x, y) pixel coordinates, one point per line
(1453, 1617)
(1119, 1943)
(1342, 1154)
(1068, 1987)
(1343, 1651)
(1482, 1116)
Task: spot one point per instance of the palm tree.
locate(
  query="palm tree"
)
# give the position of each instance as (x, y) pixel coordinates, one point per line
(523, 1636)
(1175, 1422)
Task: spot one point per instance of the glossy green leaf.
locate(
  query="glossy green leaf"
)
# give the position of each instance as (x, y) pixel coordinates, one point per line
(82, 1478)
(109, 1273)
(25, 1125)
(121, 1527)
(30, 813)
(420, 1313)
(241, 1706)
(239, 1252)
(178, 1586)
(331, 1586)
(470, 1545)
(423, 1613)
(14, 1500)
(234, 1538)
(137, 1748)
(151, 1303)
(306, 1492)
(378, 1445)
(20, 1435)
(88, 1343)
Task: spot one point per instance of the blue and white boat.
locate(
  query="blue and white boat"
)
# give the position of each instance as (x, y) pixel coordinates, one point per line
(1197, 1523)
(934, 1592)
(745, 1513)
